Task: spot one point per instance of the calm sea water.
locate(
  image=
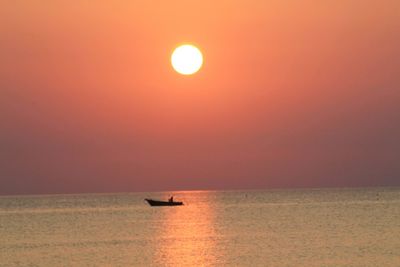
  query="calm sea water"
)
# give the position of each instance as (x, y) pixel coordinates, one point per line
(321, 227)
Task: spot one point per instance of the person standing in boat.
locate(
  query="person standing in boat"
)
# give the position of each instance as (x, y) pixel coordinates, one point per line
(171, 199)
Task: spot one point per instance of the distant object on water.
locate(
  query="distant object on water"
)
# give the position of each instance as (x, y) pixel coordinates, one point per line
(170, 202)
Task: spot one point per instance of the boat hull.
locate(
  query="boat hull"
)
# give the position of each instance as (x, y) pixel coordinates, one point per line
(157, 203)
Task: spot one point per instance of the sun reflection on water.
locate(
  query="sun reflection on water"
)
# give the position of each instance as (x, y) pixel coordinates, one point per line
(188, 236)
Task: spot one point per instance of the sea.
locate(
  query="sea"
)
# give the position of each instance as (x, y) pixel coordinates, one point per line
(298, 227)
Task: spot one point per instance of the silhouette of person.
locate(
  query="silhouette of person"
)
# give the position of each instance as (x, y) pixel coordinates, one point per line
(171, 199)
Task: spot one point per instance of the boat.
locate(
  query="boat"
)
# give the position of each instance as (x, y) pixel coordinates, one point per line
(153, 202)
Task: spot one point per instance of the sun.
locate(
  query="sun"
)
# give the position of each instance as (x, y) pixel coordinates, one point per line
(186, 59)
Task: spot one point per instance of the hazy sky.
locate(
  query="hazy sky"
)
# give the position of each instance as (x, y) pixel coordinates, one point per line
(291, 94)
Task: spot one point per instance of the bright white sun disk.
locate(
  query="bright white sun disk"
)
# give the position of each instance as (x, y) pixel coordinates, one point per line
(186, 59)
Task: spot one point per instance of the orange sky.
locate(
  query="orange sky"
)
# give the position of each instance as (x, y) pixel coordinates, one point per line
(291, 93)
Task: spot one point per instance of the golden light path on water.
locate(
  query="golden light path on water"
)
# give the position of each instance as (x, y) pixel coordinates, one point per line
(188, 236)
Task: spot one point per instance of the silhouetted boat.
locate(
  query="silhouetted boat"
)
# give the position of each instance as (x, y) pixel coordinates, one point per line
(153, 202)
